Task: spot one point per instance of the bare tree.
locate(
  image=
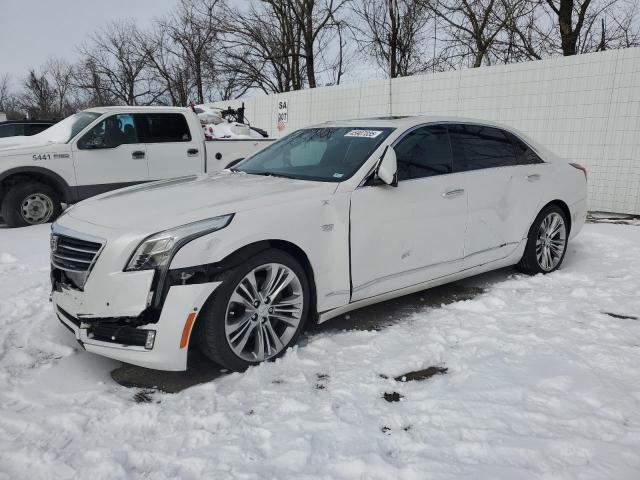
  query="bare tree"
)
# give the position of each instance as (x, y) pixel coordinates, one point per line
(169, 65)
(194, 29)
(314, 18)
(471, 27)
(392, 31)
(5, 92)
(39, 97)
(118, 63)
(61, 76)
(570, 27)
(263, 46)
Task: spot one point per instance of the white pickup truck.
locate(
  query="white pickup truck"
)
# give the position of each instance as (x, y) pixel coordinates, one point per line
(102, 149)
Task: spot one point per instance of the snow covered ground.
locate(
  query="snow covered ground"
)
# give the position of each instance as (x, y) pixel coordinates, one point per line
(541, 383)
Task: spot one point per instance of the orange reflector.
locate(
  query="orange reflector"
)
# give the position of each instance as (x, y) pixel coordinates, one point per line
(187, 330)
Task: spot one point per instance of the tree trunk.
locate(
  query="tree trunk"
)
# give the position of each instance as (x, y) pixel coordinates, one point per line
(568, 35)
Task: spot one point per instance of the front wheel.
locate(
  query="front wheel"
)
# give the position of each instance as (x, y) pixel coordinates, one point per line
(30, 203)
(257, 312)
(547, 242)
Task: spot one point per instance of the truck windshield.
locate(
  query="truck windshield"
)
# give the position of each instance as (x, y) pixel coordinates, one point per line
(327, 154)
(68, 128)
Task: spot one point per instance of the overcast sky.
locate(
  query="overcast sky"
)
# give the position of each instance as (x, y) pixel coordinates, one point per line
(33, 30)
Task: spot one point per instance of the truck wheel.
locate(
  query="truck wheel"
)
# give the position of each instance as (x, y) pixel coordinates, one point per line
(257, 312)
(30, 204)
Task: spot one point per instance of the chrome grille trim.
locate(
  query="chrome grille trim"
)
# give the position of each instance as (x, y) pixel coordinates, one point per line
(75, 252)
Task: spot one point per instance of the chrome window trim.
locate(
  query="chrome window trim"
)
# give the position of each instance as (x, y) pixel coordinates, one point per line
(453, 122)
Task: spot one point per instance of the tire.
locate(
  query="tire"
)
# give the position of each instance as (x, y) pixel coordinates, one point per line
(220, 335)
(535, 260)
(45, 205)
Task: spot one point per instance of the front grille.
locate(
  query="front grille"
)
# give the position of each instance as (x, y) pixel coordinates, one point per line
(74, 256)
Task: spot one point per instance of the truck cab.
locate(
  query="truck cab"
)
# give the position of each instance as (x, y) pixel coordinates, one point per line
(102, 149)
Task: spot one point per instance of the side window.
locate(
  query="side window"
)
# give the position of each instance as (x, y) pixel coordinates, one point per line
(424, 152)
(165, 127)
(524, 153)
(34, 128)
(7, 131)
(476, 147)
(112, 132)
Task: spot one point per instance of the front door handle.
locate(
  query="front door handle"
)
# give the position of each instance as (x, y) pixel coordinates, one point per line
(192, 152)
(533, 177)
(137, 155)
(453, 193)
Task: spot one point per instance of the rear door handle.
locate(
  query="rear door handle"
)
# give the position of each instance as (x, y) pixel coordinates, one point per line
(453, 193)
(533, 177)
(137, 155)
(192, 152)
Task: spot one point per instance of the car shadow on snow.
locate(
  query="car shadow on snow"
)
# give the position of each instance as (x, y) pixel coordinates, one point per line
(374, 317)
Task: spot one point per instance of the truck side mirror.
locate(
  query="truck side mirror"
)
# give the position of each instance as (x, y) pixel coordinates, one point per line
(388, 167)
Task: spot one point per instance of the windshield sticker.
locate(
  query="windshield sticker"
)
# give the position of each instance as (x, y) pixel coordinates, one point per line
(338, 175)
(363, 133)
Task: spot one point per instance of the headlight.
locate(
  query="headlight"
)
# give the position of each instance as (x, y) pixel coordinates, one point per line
(156, 250)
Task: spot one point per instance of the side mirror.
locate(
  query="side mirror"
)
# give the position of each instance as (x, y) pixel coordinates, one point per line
(388, 167)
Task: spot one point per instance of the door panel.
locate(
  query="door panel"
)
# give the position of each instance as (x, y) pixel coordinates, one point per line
(531, 177)
(172, 150)
(486, 159)
(413, 233)
(490, 195)
(406, 235)
(109, 155)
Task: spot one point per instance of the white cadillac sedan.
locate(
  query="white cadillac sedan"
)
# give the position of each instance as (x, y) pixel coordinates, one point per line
(328, 219)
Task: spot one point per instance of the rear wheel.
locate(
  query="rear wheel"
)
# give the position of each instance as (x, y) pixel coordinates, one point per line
(547, 242)
(257, 312)
(30, 203)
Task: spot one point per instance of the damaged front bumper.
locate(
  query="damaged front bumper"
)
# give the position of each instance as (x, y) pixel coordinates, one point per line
(160, 344)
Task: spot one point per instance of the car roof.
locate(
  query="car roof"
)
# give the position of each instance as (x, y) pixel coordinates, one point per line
(407, 121)
(44, 122)
(137, 109)
(415, 120)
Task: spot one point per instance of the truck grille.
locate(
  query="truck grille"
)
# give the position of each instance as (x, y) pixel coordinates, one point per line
(74, 256)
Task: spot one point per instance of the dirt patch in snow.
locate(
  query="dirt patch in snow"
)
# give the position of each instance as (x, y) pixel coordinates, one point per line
(423, 374)
(620, 316)
(392, 396)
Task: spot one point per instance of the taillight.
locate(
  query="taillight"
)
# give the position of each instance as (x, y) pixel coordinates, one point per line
(580, 167)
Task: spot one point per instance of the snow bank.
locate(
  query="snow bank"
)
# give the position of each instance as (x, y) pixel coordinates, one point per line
(542, 382)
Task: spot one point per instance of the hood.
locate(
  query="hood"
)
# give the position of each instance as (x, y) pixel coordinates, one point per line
(157, 206)
(16, 145)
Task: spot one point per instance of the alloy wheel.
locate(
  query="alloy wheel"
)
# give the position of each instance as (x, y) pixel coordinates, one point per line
(551, 241)
(264, 312)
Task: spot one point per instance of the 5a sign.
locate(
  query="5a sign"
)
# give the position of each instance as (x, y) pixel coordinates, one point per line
(283, 115)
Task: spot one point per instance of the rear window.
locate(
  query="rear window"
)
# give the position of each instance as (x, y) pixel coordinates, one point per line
(524, 153)
(476, 147)
(7, 130)
(163, 128)
(35, 128)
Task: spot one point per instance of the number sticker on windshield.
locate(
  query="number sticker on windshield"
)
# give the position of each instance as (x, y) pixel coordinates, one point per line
(363, 133)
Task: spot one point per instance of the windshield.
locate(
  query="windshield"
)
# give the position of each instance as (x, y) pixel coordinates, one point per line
(327, 154)
(68, 128)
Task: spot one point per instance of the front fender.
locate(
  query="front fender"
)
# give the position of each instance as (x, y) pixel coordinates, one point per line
(320, 228)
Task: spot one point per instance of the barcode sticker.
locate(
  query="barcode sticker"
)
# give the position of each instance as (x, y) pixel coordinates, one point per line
(363, 133)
